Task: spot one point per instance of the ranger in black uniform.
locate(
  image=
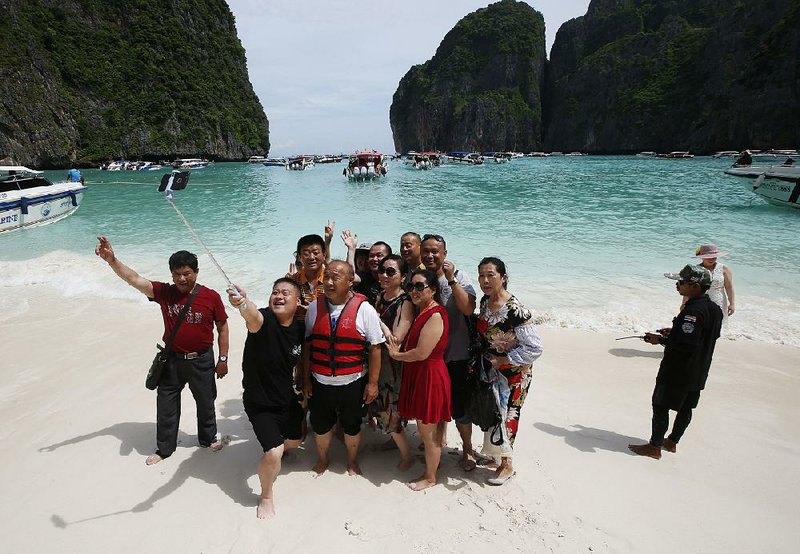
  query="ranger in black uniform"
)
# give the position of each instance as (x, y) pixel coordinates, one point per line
(688, 349)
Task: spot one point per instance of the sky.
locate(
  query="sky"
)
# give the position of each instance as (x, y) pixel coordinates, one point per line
(325, 70)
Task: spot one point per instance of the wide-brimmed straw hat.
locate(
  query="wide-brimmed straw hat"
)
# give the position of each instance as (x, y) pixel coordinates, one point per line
(709, 251)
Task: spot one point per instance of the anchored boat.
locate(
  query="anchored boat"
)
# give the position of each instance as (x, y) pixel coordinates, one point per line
(365, 166)
(28, 199)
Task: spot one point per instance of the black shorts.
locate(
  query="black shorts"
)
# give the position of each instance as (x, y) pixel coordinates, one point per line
(458, 389)
(345, 403)
(273, 426)
(675, 398)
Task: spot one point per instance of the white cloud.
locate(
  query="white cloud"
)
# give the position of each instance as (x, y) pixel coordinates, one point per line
(326, 70)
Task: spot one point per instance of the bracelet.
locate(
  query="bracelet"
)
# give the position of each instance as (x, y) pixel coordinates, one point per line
(451, 283)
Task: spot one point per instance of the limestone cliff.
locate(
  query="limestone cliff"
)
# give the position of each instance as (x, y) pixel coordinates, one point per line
(699, 75)
(482, 88)
(88, 80)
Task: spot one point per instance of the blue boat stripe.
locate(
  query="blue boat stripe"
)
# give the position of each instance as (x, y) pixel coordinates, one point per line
(8, 204)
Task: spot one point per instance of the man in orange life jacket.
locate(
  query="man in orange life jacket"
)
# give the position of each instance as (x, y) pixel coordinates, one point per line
(341, 363)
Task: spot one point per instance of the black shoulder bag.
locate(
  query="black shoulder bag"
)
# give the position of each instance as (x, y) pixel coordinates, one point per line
(160, 361)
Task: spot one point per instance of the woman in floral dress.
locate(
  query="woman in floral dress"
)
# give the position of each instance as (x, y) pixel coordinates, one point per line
(510, 342)
(396, 312)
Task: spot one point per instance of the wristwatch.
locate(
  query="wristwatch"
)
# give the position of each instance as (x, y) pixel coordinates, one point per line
(451, 283)
(223, 358)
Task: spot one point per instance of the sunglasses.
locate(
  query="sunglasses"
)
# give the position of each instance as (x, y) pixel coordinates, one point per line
(683, 282)
(389, 271)
(418, 286)
(437, 238)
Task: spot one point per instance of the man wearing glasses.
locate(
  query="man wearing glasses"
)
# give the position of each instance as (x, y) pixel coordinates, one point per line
(458, 298)
(688, 349)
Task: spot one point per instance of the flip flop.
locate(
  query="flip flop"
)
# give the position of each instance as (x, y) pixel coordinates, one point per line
(498, 481)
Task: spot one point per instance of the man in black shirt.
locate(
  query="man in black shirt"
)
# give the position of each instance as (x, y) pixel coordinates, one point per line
(369, 285)
(688, 349)
(271, 351)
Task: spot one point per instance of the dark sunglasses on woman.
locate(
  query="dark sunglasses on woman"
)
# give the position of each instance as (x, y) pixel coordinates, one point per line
(419, 287)
(389, 271)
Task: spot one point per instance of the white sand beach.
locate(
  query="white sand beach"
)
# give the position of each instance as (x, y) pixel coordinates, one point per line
(79, 423)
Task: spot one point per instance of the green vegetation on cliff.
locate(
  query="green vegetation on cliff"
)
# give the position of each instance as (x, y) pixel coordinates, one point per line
(703, 75)
(89, 80)
(482, 88)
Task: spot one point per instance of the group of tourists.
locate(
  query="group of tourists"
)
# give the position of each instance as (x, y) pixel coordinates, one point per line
(383, 338)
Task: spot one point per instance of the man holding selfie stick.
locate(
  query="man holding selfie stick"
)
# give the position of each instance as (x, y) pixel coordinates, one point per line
(688, 349)
(191, 357)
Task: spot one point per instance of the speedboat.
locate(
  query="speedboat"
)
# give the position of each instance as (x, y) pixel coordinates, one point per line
(424, 160)
(256, 159)
(777, 184)
(190, 163)
(466, 158)
(28, 199)
(365, 166)
(785, 171)
(300, 163)
(678, 155)
(275, 162)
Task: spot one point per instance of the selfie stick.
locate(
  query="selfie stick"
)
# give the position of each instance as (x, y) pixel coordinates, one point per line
(178, 181)
(632, 337)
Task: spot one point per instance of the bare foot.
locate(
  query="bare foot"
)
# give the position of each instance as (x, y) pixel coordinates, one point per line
(153, 459)
(320, 467)
(265, 508)
(420, 484)
(649, 450)
(353, 469)
(405, 465)
(670, 445)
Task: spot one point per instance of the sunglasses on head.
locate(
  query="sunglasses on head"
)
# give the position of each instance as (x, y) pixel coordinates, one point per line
(389, 271)
(418, 286)
(437, 238)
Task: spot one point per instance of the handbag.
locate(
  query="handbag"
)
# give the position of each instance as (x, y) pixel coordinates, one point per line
(162, 356)
(481, 402)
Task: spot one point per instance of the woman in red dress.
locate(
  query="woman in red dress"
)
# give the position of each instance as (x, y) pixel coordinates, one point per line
(425, 386)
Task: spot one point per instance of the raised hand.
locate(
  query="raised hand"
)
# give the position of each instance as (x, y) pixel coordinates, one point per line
(349, 239)
(105, 250)
(329, 227)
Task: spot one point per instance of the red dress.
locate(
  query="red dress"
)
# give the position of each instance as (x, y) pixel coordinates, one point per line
(425, 388)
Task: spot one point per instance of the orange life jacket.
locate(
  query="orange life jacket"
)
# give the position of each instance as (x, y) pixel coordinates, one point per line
(343, 350)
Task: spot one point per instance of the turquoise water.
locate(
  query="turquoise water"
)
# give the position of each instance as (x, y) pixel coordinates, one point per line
(586, 239)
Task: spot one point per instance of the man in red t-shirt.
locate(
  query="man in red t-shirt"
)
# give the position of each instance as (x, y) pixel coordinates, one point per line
(191, 358)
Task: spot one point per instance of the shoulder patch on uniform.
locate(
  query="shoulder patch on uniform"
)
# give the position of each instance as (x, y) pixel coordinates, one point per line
(691, 318)
(687, 327)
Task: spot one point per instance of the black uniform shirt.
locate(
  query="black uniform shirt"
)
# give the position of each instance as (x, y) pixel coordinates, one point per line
(690, 345)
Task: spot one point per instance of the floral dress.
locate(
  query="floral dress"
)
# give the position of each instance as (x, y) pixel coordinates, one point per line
(384, 409)
(510, 332)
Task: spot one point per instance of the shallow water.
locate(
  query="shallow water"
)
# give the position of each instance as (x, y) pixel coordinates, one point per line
(586, 239)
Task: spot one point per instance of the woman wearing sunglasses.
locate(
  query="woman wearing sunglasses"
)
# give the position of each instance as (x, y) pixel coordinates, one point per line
(396, 312)
(510, 342)
(425, 387)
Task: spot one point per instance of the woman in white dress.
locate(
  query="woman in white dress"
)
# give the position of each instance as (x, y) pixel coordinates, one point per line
(721, 291)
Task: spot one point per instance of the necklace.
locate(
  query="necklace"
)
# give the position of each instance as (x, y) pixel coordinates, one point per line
(430, 306)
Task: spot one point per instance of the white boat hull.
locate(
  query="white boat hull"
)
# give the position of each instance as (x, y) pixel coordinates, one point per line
(778, 191)
(38, 206)
(776, 171)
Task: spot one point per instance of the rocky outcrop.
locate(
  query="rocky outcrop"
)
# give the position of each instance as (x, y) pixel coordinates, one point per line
(83, 82)
(698, 75)
(481, 90)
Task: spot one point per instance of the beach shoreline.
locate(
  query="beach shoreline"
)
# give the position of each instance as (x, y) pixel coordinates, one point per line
(81, 422)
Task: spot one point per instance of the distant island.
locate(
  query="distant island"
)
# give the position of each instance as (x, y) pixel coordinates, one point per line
(695, 75)
(84, 82)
